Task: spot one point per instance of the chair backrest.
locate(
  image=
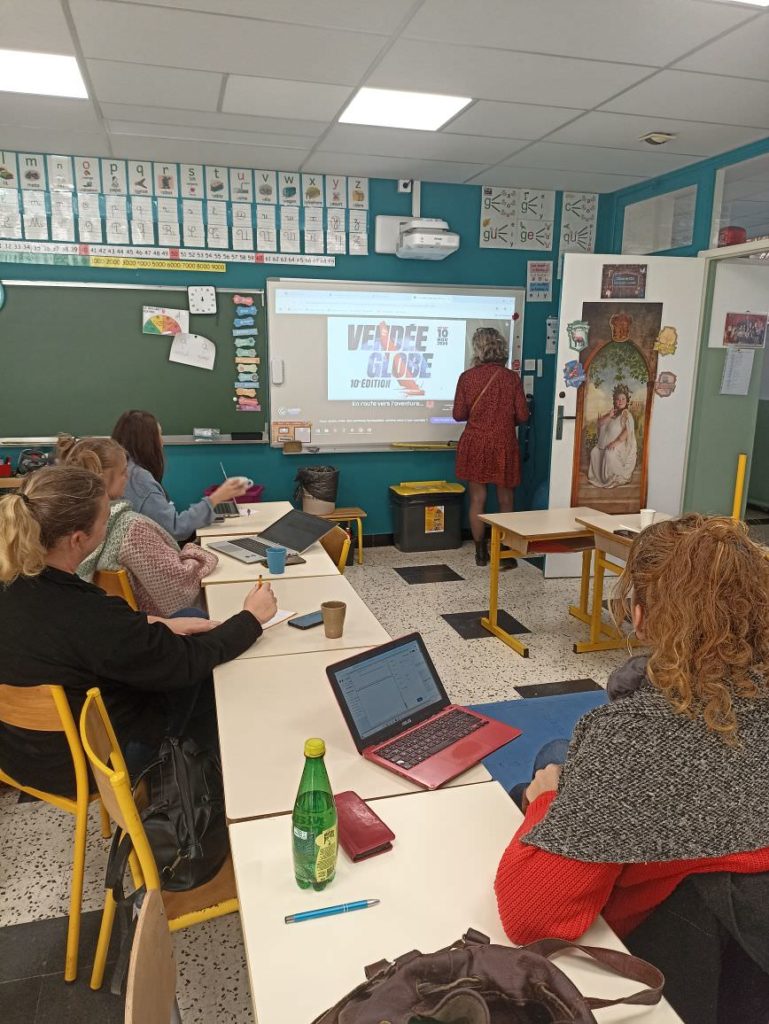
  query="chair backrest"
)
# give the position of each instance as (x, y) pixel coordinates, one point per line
(337, 546)
(151, 983)
(44, 708)
(114, 782)
(117, 584)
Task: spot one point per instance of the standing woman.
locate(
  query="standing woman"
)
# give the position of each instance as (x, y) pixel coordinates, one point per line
(139, 433)
(490, 399)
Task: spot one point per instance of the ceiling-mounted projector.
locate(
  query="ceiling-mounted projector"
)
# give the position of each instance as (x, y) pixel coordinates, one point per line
(425, 238)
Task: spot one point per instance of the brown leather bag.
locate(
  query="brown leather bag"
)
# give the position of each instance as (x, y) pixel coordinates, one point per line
(476, 982)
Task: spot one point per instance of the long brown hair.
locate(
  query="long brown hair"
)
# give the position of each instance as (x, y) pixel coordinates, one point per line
(139, 433)
(99, 454)
(703, 587)
(51, 503)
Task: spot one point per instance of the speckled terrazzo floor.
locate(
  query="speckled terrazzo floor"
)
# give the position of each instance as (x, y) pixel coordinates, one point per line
(35, 840)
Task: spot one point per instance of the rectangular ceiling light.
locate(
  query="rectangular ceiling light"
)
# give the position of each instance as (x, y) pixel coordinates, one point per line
(391, 108)
(44, 74)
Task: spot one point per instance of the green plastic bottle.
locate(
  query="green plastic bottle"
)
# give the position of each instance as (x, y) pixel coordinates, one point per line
(314, 822)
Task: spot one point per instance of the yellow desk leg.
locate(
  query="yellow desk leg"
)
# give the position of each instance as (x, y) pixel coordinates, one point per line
(582, 610)
(360, 541)
(491, 623)
(615, 638)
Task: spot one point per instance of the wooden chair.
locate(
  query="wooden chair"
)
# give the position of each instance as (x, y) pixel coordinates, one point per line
(337, 546)
(46, 709)
(151, 984)
(117, 584)
(213, 899)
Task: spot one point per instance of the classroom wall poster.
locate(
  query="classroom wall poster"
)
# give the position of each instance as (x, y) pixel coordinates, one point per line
(217, 183)
(114, 178)
(9, 173)
(539, 281)
(516, 218)
(191, 181)
(31, 172)
(60, 175)
(579, 214)
(139, 178)
(166, 179)
(87, 174)
(241, 185)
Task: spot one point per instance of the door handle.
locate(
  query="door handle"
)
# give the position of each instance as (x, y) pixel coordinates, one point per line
(559, 423)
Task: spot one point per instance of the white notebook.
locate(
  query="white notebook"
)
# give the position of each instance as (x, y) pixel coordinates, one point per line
(279, 616)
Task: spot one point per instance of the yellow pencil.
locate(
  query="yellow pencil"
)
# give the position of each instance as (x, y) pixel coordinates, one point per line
(259, 584)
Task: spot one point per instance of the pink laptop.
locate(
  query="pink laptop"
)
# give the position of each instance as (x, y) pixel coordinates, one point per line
(400, 716)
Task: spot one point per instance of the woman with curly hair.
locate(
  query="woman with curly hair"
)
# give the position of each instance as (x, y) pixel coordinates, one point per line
(490, 399)
(662, 799)
(613, 458)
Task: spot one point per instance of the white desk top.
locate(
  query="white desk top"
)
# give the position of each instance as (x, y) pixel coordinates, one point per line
(435, 883)
(266, 710)
(539, 524)
(361, 628)
(602, 522)
(230, 570)
(262, 514)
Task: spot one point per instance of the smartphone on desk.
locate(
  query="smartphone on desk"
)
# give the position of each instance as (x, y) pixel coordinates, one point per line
(306, 621)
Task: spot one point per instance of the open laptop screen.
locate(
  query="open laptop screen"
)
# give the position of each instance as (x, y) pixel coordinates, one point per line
(296, 530)
(394, 685)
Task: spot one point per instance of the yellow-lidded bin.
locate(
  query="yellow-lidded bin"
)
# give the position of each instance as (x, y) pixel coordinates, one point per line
(427, 515)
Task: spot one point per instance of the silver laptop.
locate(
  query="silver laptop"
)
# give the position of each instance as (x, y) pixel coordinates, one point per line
(295, 531)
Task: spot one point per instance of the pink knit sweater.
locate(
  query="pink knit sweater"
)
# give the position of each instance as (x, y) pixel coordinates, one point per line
(164, 577)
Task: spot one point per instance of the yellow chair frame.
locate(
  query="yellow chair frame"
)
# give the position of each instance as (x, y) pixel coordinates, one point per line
(46, 709)
(116, 583)
(213, 899)
(336, 544)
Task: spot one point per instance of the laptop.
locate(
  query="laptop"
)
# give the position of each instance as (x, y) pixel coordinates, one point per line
(227, 509)
(400, 716)
(295, 531)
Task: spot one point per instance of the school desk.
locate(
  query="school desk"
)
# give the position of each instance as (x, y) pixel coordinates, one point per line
(253, 518)
(361, 628)
(528, 534)
(435, 883)
(266, 710)
(230, 570)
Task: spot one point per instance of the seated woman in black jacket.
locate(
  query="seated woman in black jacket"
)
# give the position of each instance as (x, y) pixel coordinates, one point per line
(154, 674)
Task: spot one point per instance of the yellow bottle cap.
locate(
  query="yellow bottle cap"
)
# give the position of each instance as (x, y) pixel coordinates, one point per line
(314, 748)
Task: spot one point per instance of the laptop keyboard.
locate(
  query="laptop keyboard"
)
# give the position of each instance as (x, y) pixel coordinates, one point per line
(251, 545)
(430, 738)
(226, 508)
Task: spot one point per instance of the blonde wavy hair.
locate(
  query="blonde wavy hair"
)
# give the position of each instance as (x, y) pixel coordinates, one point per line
(98, 454)
(703, 587)
(489, 346)
(51, 503)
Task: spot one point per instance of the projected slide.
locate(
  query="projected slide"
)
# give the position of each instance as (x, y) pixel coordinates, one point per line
(356, 363)
(420, 360)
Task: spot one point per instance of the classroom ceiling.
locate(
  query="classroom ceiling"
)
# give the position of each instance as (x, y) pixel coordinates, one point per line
(562, 89)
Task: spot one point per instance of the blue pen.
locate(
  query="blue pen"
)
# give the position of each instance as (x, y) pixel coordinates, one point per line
(340, 908)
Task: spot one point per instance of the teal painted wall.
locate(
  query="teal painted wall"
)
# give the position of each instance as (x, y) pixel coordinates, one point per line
(364, 476)
(722, 426)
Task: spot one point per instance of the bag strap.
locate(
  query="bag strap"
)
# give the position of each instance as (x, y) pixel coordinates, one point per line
(492, 378)
(620, 963)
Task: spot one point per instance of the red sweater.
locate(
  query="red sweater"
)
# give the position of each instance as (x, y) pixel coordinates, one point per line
(543, 895)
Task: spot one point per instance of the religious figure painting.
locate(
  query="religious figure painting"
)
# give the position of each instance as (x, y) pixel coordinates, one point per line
(614, 405)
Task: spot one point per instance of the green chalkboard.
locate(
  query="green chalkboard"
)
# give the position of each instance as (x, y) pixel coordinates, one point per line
(73, 358)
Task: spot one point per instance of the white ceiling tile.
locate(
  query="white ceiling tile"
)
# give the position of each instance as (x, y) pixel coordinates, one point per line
(499, 75)
(50, 140)
(653, 32)
(648, 163)
(576, 181)
(623, 131)
(191, 134)
(510, 120)
(344, 138)
(695, 97)
(273, 158)
(390, 167)
(280, 98)
(743, 52)
(48, 112)
(346, 14)
(121, 82)
(39, 26)
(207, 119)
(212, 42)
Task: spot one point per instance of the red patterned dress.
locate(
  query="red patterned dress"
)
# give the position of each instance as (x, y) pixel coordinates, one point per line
(487, 452)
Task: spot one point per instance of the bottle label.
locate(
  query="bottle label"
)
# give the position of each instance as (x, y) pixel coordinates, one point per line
(299, 833)
(325, 860)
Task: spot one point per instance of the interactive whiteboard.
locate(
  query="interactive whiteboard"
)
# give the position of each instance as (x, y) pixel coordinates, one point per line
(357, 363)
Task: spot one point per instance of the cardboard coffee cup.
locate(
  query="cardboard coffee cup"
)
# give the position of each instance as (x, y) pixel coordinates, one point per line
(333, 613)
(647, 517)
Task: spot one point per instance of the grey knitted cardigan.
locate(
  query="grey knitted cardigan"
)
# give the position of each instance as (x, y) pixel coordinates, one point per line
(642, 783)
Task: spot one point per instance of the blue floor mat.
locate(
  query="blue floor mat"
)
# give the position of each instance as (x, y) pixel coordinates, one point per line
(540, 719)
